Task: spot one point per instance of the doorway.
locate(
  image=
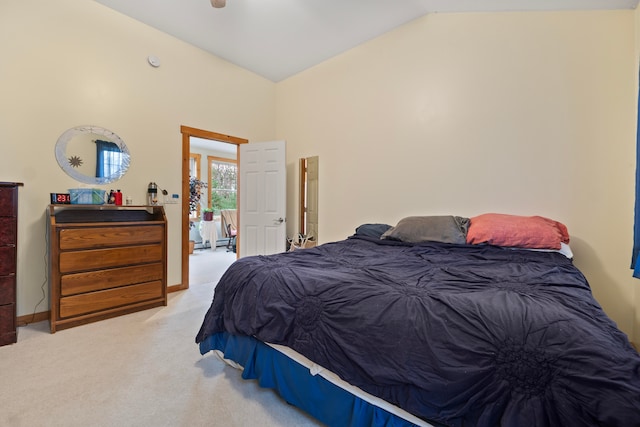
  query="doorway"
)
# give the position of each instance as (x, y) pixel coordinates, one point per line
(213, 138)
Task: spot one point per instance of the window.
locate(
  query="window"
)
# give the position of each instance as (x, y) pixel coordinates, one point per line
(109, 159)
(223, 180)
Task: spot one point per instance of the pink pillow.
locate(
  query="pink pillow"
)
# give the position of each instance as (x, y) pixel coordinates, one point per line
(534, 232)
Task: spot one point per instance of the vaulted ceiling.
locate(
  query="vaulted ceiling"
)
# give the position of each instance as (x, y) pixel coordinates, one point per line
(279, 38)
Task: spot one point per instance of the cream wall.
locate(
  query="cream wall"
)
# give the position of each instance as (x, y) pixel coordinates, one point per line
(69, 63)
(522, 113)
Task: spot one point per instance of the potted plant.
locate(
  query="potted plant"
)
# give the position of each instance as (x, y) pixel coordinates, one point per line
(195, 194)
(207, 214)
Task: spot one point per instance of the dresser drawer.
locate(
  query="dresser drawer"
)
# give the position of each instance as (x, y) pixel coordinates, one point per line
(7, 324)
(7, 260)
(7, 289)
(76, 261)
(112, 298)
(8, 201)
(8, 231)
(90, 281)
(95, 237)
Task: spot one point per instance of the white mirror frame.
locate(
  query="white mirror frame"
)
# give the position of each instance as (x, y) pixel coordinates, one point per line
(63, 160)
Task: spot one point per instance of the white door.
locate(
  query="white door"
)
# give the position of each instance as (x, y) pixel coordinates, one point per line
(263, 201)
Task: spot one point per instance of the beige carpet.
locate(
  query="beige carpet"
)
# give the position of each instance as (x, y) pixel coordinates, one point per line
(207, 263)
(142, 369)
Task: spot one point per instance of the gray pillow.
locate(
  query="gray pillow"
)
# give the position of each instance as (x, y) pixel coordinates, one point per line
(416, 229)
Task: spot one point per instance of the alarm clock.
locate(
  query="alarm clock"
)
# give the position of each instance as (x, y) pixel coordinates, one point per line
(60, 198)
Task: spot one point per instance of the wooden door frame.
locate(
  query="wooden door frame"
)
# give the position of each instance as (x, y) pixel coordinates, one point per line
(187, 133)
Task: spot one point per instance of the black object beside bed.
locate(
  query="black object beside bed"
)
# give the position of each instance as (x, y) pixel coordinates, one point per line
(455, 334)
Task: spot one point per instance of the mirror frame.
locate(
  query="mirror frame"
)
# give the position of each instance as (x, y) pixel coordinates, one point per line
(63, 160)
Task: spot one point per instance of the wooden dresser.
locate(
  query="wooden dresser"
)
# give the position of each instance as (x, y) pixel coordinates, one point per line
(8, 260)
(105, 261)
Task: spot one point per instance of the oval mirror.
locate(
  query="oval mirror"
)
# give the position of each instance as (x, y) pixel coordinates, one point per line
(92, 155)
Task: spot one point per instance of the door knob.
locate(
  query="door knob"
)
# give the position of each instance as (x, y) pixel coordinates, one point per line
(280, 220)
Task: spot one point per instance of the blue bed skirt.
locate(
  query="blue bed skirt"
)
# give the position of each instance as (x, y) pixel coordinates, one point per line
(314, 394)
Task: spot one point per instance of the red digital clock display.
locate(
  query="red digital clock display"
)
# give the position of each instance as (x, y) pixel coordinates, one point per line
(60, 198)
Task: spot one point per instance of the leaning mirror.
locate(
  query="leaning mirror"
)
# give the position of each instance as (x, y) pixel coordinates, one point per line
(92, 155)
(309, 196)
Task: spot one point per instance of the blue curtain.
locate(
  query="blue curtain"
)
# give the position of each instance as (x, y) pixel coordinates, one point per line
(635, 261)
(106, 153)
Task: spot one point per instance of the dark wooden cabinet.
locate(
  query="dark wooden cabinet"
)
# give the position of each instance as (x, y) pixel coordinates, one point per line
(105, 261)
(8, 260)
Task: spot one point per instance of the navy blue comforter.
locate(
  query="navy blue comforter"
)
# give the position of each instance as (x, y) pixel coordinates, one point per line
(460, 335)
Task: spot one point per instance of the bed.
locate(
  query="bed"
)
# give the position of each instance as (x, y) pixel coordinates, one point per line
(439, 320)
